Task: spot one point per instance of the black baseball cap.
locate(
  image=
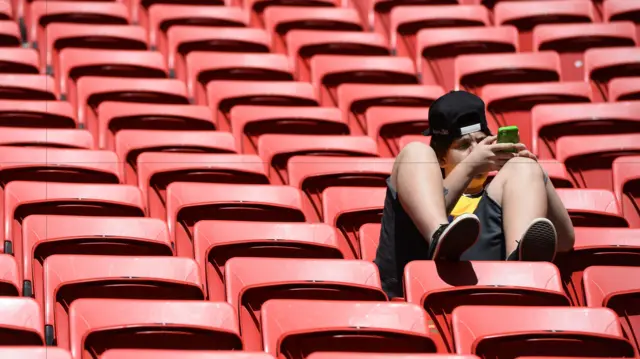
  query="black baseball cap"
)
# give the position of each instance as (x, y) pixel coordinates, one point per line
(455, 114)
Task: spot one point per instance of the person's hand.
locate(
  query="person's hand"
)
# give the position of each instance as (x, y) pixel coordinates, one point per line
(527, 154)
(489, 156)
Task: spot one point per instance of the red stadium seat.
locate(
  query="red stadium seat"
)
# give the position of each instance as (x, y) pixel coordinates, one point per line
(19, 61)
(346, 355)
(293, 329)
(24, 198)
(156, 171)
(440, 288)
(355, 99)
(71, 277)
(405, 140)
(45, 137)
(592, 207)
(377, 12)
(41, 14)
(572, 40)
(616, 288)
(130, 144)
(248, 123)
(314, 174)
(27, 87)
(16, 352)
(369, 239)
(475, 71)
(256, 8)
(329, 71)
(76, 63)
(348, 208)
(626, 178)
(250, 282)
(181, 40)
(302, 45)
(279, 20)
(276, 150)
(624, 89)
(407, 21)
(388, 124)
(58, 165)
(223, 96)
(9, 34)
(97, 325)
(44, 114)
(188, 203)
(185, 354)
(92, 91)
(21, 323)
(588, 158)
(163, 16)
(205, 67)
(117, 116)
(511, 104)
(60, 36)
(491, 331)
(603, 65)
(44, 236)
(6, 10)
(437, 49)
(620, 10)
(525, 15)
(552, 122)
(216, 242)
(10, 280)
(596, 247)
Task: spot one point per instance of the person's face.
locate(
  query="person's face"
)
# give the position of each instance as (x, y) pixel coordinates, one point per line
(459, 150)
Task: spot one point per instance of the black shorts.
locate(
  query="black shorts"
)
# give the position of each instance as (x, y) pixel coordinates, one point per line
(491, 242)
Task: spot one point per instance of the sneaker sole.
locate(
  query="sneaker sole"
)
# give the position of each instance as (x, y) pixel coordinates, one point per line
(460, 236)
(539, 242)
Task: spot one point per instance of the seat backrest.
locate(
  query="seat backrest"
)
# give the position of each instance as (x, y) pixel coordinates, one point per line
(44, 236)
(249, 282)
(21, 322)
(181, 354)
(348, 208)
(71, 277)
(596, 247)
(96, 325)
(616, 288)
(188, 203)
(491, 330)
(441, 287)
(216, 242)
(553, 121)
(293, 329)
(592, 207)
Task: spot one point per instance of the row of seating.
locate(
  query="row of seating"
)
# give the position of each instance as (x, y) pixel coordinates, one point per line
(167, 293)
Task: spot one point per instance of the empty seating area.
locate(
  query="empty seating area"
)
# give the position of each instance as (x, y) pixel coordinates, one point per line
(205, 179)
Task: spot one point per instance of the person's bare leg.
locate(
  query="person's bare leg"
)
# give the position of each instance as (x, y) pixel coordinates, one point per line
(520, 190)
(417, 178)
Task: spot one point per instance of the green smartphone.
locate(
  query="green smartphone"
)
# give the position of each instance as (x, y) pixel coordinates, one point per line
(508, 134)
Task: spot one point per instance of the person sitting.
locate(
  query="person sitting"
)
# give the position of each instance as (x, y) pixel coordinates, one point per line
(517, 216)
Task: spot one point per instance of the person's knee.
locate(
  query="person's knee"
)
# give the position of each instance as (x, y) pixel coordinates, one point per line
(522, 167)
(413, 154)
(417, 151)
(518, 169)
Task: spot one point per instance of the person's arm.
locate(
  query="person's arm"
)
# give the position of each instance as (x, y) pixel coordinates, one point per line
(455, 184)
(558, 215)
